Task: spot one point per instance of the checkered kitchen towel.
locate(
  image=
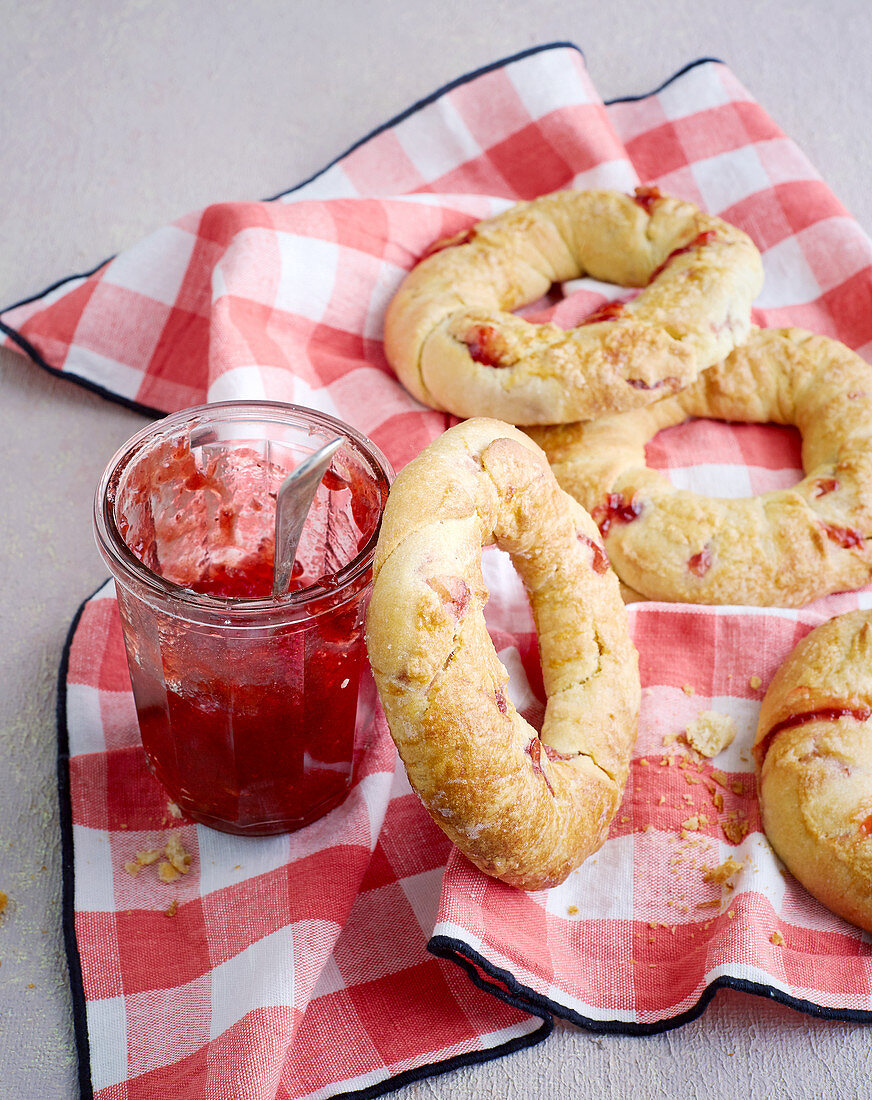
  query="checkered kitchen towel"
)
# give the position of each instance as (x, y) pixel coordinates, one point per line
(325, 963)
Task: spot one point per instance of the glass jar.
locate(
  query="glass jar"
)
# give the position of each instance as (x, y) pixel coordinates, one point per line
(246, 703)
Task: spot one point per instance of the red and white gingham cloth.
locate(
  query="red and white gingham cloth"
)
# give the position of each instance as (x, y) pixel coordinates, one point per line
(311, 965)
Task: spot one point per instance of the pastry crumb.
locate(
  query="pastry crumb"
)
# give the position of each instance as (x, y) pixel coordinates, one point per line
(166, 872)
(172, 908)
(777, 939)
(572, 910)
(710, 732)
(713, 903)
(736, 827)
(176, 854)
(175, 811)
(175, 862)
(688, 689)
(755, 683)
(4, 901)
(724, 871)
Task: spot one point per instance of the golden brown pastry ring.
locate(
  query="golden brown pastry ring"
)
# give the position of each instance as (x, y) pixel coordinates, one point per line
(814, 761)
(783, 548)
(523, 809)
(454, 343)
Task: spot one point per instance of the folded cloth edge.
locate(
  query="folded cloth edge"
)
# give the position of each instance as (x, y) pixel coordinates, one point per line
(26, 348)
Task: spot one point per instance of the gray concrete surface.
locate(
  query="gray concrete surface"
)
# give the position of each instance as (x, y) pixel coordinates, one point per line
(117, 117)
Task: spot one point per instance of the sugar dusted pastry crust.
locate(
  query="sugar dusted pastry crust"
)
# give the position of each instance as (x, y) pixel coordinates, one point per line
(455, 344)
(783, 548)
(524, 809)
(814, 759)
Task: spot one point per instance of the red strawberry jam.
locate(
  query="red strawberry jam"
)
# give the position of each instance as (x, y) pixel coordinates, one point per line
(647, 197)
(670, 381)
(611, 311)
(825, 485)
(699, 241)
(534, 750)
(616, 509)
(844, 536)
(600, 561)
(483, 342)
(699, 564)
(859, 713)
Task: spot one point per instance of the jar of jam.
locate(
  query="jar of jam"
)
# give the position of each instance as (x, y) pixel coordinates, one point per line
(246, 703)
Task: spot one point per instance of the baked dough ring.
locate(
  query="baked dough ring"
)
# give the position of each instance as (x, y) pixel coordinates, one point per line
(814, 761)
(455, 345)
(782, 548)
(522, 809)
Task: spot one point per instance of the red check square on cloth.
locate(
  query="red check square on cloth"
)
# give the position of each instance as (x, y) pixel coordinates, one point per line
(326, 962)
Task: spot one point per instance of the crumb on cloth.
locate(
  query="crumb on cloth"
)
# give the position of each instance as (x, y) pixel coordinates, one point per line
(176, 860)
(710, 732)
(736, 827)
(723, 872)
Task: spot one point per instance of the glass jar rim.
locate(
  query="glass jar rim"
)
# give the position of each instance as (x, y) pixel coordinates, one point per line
(126, 567)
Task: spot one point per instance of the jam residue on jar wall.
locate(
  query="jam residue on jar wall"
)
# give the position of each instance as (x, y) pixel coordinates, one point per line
(250, 730)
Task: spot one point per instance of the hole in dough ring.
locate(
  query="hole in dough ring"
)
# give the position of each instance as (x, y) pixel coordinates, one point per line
(454, 343)
(524, 809)
(814, 761)
(782, 548)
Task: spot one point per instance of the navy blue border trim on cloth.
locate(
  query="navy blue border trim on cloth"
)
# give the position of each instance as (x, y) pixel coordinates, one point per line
(68, 869)
(503, 984)
(425, 101)
(434, 1069)
(149, 410)
(675, 76)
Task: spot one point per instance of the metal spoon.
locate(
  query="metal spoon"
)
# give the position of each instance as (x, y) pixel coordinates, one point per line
(293, 502)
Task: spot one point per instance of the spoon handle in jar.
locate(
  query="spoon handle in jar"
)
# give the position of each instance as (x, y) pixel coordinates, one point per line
(293, 502)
